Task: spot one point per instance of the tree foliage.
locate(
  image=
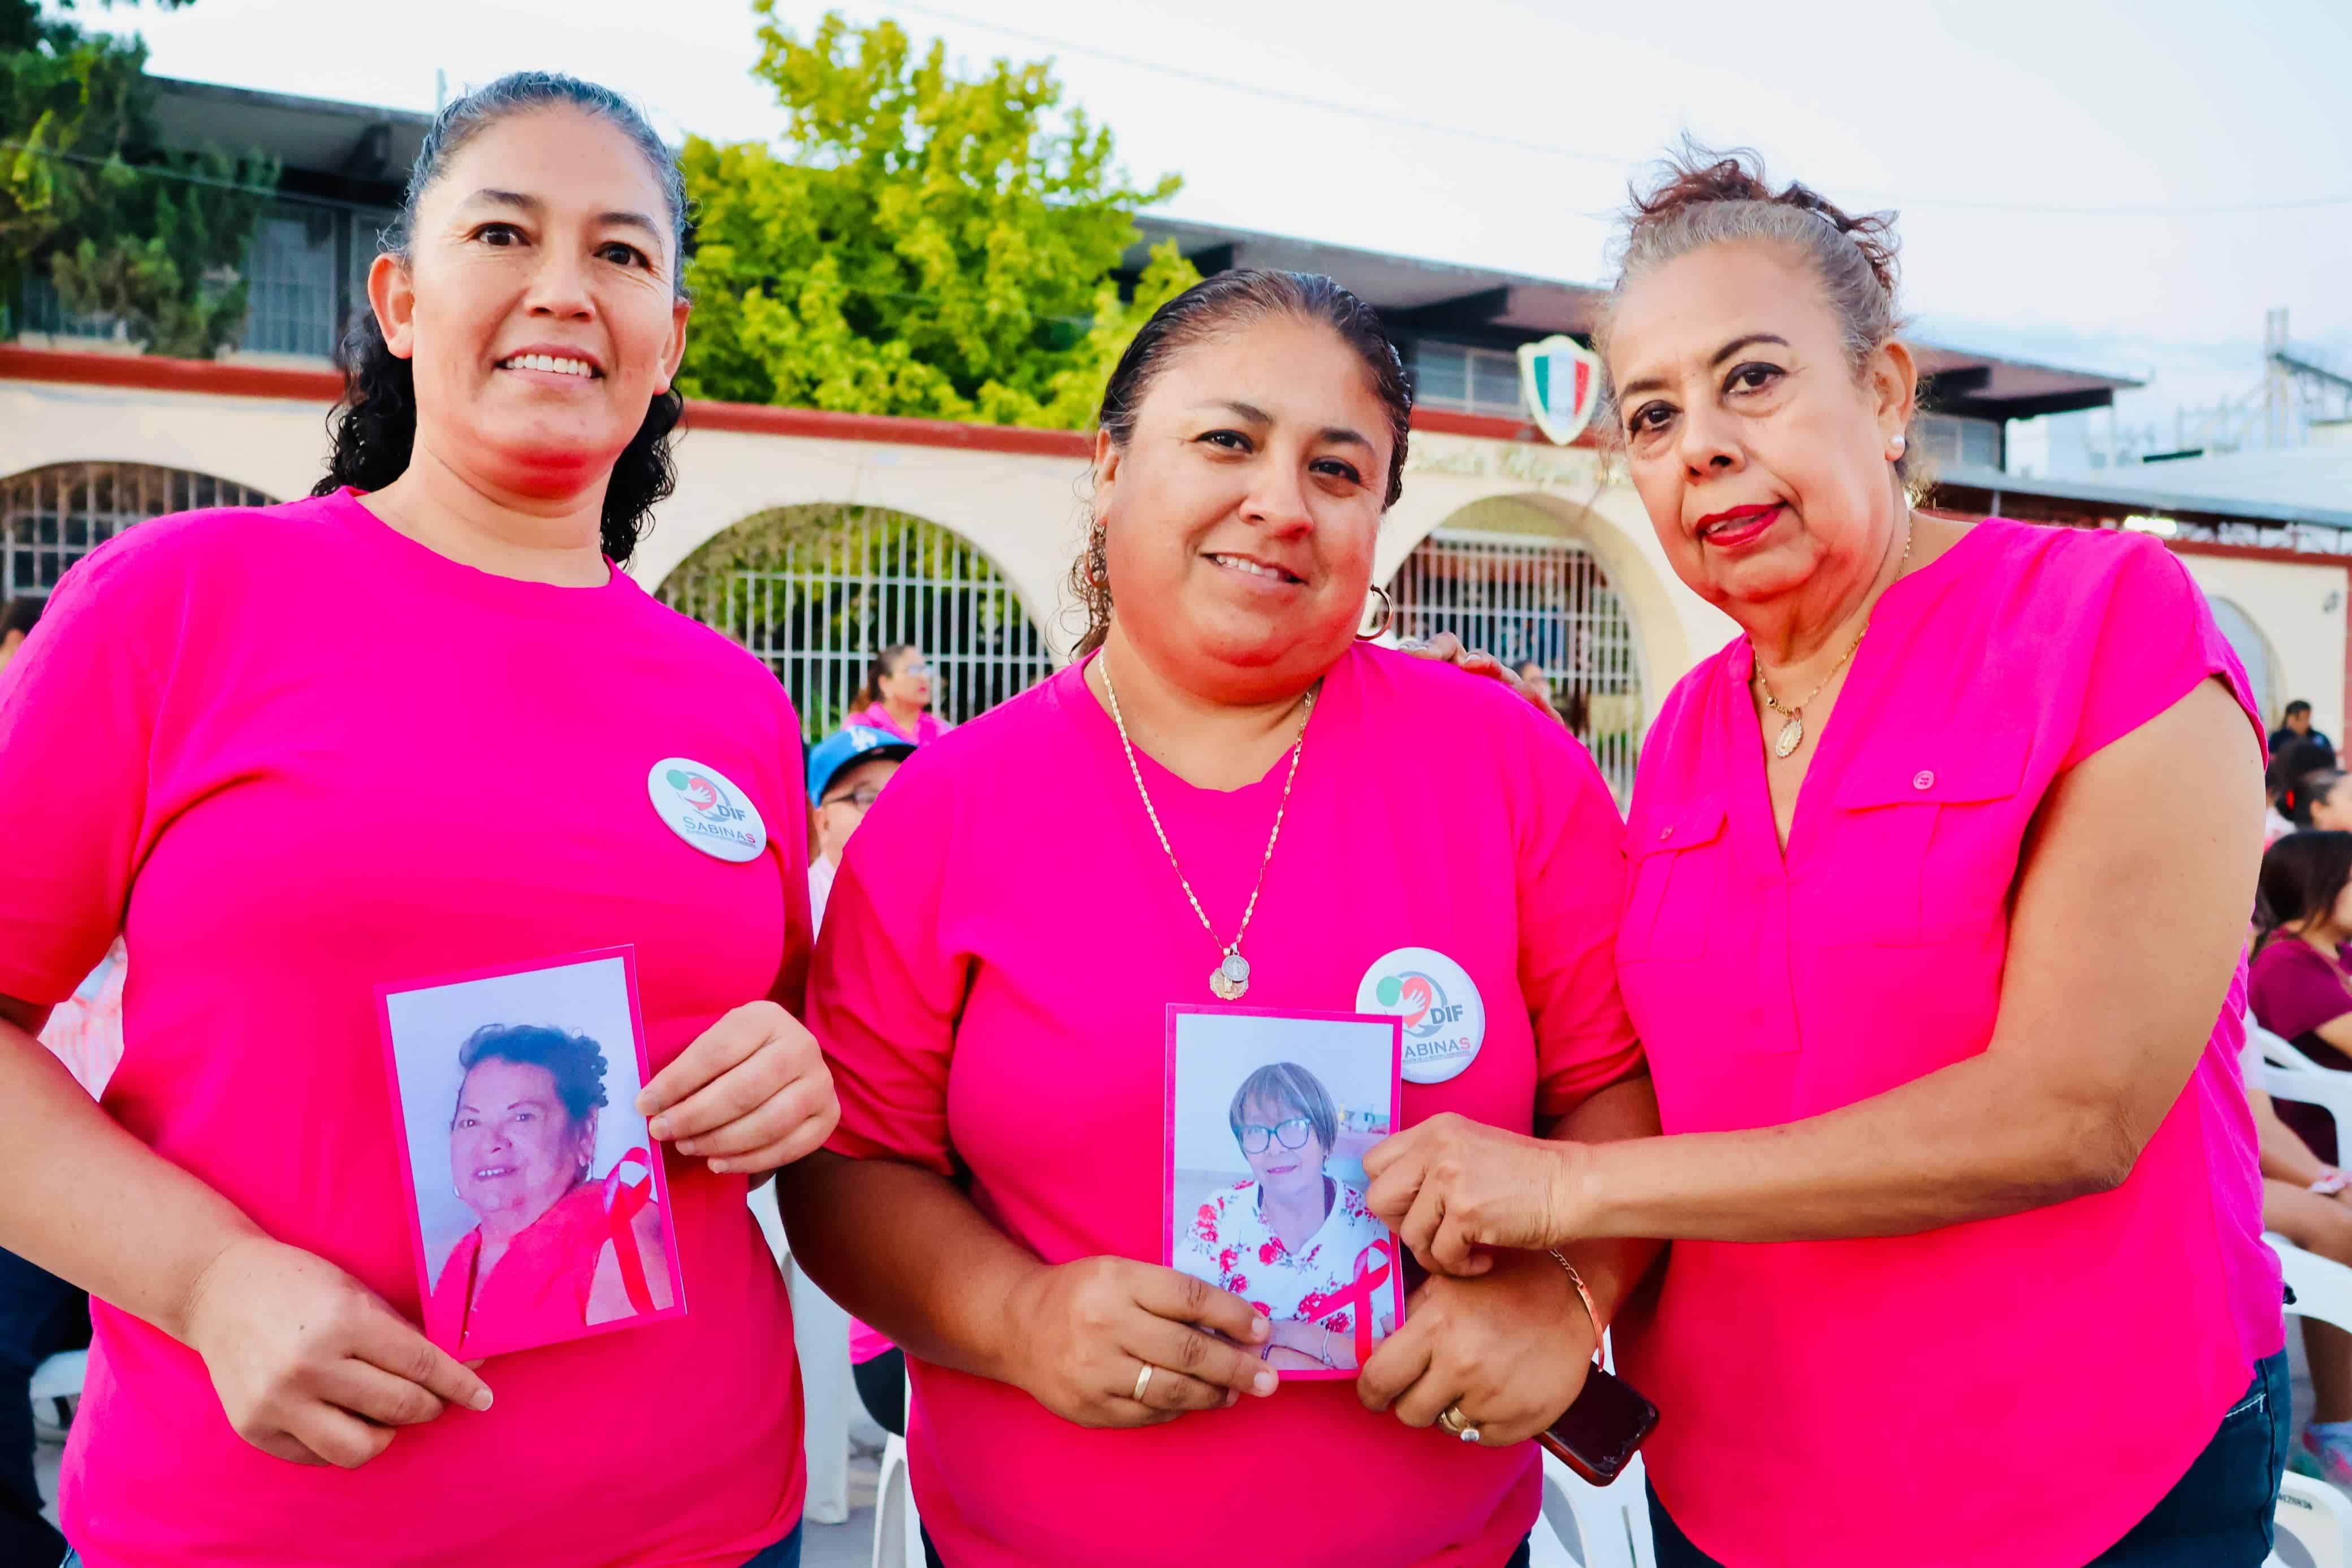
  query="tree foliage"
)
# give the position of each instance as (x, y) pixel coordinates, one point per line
(918, 242)
(88, 200)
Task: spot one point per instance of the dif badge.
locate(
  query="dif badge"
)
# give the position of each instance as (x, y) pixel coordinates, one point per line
(704, 807)
(1444, 1018)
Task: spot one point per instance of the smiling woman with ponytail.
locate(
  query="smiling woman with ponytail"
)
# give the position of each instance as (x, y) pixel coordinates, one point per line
(417, 725)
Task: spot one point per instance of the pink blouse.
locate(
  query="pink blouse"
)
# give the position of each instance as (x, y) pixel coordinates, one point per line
(2012, 1393)
(928, 726)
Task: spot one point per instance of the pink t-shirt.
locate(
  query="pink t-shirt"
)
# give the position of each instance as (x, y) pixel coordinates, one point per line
(2015, 1392)
(990, 1025)
(928, 726)
(294, 753)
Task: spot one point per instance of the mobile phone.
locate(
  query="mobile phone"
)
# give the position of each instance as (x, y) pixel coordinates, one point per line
(1598, 1435)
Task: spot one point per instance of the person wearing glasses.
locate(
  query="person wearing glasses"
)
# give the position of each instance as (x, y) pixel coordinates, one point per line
(1286, 1241)
(897, 696)
(846, 775)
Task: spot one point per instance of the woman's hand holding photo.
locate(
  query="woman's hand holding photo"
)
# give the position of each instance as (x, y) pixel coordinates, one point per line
(311, 1365)
(1085, 1332)
(751, 1093)
(1509, 1348)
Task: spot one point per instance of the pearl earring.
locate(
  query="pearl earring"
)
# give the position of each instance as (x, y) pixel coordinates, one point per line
(1895, 444)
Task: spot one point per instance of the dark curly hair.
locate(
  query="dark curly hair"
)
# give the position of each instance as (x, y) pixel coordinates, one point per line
(575, 1061)
(1215, 305)
(373, 427)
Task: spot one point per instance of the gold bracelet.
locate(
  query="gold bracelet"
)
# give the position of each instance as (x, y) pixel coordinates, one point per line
(1584, 1295)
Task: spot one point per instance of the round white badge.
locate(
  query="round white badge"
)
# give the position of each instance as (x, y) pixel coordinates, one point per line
(1444, 1018)
(703, 807)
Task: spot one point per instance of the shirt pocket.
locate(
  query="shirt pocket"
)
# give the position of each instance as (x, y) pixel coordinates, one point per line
(1926, 846)
(1675, 880)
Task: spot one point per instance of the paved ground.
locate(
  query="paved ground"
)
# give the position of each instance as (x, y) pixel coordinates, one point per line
(849, 1545)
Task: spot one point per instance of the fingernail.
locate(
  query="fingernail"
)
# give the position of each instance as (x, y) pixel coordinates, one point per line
(644, 1102)
(1264, 1383)
(686, 1145)
(481, 1400)
(721, 1167)
(1232, 1398)
(1260, 1328)
(658, 1126)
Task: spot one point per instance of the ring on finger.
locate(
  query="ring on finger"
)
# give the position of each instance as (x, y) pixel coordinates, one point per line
(1453, 1421)
(1143, 1381)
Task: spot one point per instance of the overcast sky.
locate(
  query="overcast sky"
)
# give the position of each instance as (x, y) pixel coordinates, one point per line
(2122, 187)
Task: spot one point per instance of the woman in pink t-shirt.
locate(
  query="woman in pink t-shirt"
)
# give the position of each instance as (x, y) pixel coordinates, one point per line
(897, 696)
(1934, 938)
(415, 726)
(994, 983)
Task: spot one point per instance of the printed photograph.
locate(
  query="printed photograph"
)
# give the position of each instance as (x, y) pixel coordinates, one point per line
(1269, 1117)
(541, 1212)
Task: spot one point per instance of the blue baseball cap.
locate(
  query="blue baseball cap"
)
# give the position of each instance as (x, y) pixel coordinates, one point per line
(848, 748)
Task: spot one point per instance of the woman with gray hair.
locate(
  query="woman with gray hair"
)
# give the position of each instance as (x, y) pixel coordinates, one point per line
(1934, 938)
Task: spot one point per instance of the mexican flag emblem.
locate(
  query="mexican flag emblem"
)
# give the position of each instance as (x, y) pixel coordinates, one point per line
(1560, 378)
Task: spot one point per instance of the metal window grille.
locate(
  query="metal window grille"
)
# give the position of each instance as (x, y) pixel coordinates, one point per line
(50, 518)
(291, 287)
(1466, 380)
(816, 591)
(1520, 598)
(41, 308)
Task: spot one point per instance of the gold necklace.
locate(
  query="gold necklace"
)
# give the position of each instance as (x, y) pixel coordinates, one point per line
(1229, 981)
(1793, 734)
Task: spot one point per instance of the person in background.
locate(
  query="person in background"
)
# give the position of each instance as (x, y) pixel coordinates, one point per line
(41, 1314)
(2278, 793)
(847, 771)
(17, 623)
(2298, 986)
(897, 696)
(2295, 727)
(2330, 803)
(2309, 1202)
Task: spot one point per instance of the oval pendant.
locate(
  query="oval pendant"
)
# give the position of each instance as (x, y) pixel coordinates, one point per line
(1236, 969)
(1792, 735)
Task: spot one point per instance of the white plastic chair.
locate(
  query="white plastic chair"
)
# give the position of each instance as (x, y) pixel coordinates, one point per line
(897, 1528)
(2314, 1519)
(58, 1381)
(2325, 1087)
(1611, 1523)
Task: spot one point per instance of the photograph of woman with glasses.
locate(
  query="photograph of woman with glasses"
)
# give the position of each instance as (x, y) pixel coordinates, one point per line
(1286, 1240)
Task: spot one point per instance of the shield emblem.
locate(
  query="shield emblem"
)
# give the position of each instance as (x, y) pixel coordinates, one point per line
(1560, 378)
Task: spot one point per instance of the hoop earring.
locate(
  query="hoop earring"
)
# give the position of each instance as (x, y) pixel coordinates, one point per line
(1388, 616)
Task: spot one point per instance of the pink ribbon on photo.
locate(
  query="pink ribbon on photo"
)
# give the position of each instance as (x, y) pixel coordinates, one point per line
(623, 1201)
(1360, 1292)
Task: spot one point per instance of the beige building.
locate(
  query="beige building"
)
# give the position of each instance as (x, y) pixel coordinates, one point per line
(815, 538)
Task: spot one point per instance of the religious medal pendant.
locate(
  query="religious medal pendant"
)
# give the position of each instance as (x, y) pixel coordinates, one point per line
(1792, 736)
(1230, 979)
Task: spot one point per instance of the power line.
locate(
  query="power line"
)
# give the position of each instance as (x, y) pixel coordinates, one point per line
(1491, 139)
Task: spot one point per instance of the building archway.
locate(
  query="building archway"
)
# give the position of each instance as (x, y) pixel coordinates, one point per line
(814, 589)
(53, 516)
(1509, 576)
(2253, 651)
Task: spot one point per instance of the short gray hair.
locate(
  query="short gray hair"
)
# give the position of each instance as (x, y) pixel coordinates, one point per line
(1700, 197)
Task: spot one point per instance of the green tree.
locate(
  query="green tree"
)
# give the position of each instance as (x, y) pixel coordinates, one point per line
(920, 242)
(87, 200)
